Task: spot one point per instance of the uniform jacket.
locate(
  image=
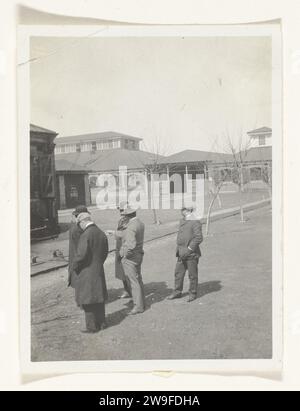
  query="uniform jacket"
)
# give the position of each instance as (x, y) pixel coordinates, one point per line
(74, 234)
(133, 241)
(90, 287)
(189, 238)
(119, 270)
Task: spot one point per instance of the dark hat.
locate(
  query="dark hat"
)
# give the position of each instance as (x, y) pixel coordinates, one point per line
(188, 207)
(80, 209)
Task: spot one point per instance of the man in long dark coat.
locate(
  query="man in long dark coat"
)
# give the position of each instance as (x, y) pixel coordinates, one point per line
(188, 253)
(90, 286)
(74, 234)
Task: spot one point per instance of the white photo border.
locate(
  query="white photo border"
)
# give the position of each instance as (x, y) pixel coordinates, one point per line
(244, 366)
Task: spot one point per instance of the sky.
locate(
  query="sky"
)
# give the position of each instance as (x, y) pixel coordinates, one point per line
(185, 93)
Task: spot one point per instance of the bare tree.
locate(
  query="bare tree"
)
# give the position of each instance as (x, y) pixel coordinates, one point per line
(153, 166)
(239, 173)
(214, 189)
(267, 177)
(218, 178)
(232, 164)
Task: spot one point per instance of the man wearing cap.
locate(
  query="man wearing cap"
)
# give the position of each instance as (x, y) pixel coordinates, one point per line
(119, 270)
(132, 254)
(90, 285)
(188, 253)
(74, 234)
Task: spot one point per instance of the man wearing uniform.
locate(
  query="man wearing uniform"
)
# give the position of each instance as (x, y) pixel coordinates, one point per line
(132, 254)
(188, 253)
(119, 270)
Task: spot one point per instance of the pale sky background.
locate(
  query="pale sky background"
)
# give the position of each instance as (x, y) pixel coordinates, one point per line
(186, 92)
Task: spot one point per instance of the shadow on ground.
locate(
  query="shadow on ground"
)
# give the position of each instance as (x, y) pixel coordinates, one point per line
(209, 287)
(155, 292)
(63, 227)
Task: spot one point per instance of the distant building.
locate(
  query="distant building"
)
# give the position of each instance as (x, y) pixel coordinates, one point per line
(72, 185)
(96, 142)
(188, 164)
(257, 160)
(103, 153)
(261, 137)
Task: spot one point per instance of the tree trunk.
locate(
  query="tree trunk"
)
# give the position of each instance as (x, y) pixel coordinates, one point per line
(154, 216)
(269, 182)
(241, 187)
(216, 194)
(219, 200)
(155, 219)
(241, 205)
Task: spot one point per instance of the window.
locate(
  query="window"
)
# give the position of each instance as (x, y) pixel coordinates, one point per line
(116, 144)
(70, 148)
(78, 148)
(86, 147)
(63, 148)
(262, 141)
(94, 146)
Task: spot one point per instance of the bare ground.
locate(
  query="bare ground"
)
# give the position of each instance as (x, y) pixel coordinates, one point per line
(231, 318)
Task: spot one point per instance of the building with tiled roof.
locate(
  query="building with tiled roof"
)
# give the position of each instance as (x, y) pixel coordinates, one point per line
(109, 160)
(104, 153)
(72, 184)
(191, 156)
(95, 142)
(64, 165)
(259, 154)
(38, 129)
(260, 137)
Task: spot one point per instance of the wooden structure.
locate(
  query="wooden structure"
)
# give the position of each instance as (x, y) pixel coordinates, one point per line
(43, 210)
(72, 185)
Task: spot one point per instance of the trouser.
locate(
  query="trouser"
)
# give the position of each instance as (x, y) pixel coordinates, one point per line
(94, 316)
(127, 287)
(181, 267)
(133, 273)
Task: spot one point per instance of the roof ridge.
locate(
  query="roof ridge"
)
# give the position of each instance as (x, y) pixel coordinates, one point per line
(41, 129)
(100, 134)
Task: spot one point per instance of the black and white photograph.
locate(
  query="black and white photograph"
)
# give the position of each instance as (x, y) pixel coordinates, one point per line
(150, 182)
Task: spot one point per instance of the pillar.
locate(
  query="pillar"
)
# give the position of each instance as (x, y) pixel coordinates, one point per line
(62, 191)
(186, 179)
(87, 191)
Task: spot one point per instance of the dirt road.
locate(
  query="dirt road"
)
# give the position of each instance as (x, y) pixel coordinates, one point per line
(230, 319)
